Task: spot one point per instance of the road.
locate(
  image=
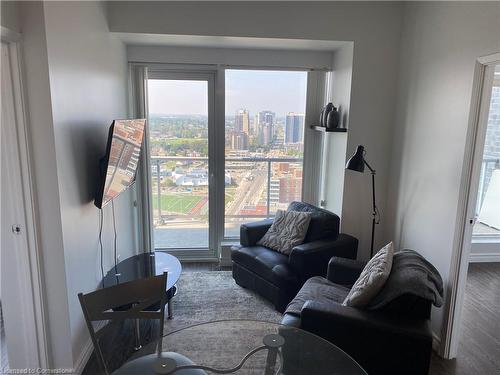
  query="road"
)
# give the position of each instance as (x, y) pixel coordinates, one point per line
(248, 192)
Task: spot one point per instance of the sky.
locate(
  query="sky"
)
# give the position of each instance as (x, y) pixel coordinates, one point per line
(254, 90)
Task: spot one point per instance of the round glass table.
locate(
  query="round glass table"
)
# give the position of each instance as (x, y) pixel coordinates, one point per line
(241, 347)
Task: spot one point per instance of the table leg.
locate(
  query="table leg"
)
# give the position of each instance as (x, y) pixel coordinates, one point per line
(273, 342)
(169, 310)
(272, 353)
(137, 329)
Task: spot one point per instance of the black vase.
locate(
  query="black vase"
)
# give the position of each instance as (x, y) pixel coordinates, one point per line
(326, 111)
(333, 119)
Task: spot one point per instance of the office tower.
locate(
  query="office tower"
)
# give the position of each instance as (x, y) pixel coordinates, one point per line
(242, 121)
(266, 127)
(239, 140)
(255, 125)
(294, 128)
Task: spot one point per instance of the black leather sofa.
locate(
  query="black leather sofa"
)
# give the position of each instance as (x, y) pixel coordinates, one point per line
(278, 277)
(396, 339)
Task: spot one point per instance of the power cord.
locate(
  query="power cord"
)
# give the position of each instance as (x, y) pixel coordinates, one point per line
(114, 230)
(100, 244)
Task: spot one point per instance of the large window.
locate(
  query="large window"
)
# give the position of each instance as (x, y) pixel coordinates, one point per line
(207, 177)
(264, 143)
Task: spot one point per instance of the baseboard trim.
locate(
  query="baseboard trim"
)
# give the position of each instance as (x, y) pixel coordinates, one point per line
(87, 351)
(484, 257)
(84, 358)
(225, 256)
(436, 343)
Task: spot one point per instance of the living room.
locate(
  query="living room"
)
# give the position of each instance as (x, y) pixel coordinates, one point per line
(228, 79)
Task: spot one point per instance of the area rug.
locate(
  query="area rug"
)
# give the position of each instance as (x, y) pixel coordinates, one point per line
(214, 295)
(202, 297)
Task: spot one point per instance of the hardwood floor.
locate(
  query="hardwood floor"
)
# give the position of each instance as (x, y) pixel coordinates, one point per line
(4, 361)
(479, 348)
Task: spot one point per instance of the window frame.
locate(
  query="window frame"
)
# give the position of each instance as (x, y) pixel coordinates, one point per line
(209, 76)
(313, 149)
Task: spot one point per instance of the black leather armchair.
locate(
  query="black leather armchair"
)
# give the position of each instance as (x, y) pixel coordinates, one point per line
(394, 340)
(278, 277)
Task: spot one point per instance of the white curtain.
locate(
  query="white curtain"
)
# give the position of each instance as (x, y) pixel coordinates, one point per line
(138, 99)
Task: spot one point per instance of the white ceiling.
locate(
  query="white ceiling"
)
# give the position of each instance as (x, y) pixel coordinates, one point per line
(228, 42)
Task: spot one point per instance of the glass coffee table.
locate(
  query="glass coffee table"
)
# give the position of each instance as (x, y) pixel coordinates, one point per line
(145, 265)
(241, 347)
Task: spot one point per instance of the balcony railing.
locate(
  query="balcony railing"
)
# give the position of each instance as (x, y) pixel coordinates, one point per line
(232, 163)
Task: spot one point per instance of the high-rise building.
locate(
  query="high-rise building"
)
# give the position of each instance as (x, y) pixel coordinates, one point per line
(239, 140)
(266, 117)
(294, 128)
(242, 121)
(255, 125)
(265, 134)
(290, 189)
(266, 127)
(274, 191)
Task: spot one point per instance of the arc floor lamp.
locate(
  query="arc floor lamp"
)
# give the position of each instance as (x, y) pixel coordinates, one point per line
(357, 162)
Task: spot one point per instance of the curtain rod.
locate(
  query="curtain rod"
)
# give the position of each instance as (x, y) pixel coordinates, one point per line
(235, 66)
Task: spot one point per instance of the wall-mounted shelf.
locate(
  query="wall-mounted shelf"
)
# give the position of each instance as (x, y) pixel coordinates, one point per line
(325, 130)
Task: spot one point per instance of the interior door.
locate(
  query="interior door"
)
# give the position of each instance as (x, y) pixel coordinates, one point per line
(181, 143)
(486, 86)
(16, 284)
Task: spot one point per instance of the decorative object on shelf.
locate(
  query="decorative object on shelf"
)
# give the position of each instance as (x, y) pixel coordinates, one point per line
(328, 108)
(333, 119)
(357, 163)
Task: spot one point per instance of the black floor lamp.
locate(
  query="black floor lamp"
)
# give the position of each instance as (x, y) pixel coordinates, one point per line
(357, 163)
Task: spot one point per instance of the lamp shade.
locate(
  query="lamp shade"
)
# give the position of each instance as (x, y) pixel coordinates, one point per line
(357, 162)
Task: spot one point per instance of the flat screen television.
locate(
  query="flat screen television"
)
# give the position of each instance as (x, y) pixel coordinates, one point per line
(118, 168)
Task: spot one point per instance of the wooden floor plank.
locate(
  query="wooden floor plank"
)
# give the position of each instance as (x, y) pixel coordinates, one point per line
(479, 348)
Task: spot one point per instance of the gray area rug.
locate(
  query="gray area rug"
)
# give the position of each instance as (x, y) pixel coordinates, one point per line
(214, 295)
(202, 297)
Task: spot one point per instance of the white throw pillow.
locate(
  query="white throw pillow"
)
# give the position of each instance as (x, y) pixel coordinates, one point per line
(288, 230)
(372, 278)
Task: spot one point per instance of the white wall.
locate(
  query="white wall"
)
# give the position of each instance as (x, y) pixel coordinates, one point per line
(76, 76)
(9, 14)
(88, 82)
(440, 44)
(373, 27)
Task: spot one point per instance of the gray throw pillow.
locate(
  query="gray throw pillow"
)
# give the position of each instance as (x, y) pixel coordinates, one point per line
(372, 278)
(288, 230)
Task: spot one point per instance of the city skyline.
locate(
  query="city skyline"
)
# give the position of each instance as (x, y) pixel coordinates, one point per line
(254, 90)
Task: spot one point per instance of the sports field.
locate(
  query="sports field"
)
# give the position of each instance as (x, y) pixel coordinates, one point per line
(183, 203)
(178, 203)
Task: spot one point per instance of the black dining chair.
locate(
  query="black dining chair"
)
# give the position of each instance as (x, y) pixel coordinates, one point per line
(129, 300)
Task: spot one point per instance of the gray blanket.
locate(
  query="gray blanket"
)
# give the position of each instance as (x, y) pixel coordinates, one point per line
(411, 273)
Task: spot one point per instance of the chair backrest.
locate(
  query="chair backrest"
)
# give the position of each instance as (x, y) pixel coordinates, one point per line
(124, 301)
(324, 224)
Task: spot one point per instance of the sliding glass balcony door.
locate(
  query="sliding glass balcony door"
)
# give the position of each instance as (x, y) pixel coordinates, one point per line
(180, 107)
(217, 161)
